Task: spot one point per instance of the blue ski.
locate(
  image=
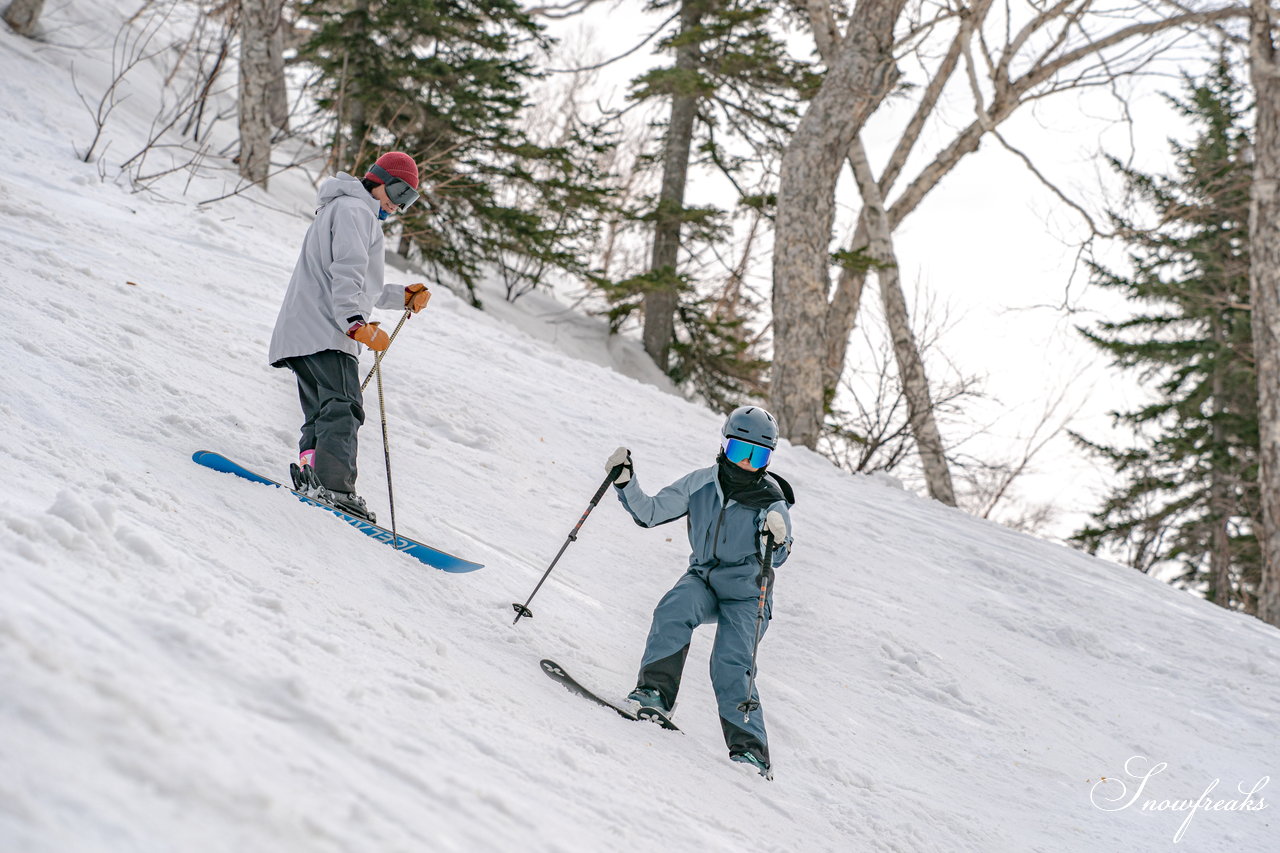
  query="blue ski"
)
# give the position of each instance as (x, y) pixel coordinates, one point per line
(424, 553)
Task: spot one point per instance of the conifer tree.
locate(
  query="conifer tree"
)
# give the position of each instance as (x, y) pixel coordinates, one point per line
(1189, 492)
(732, 93)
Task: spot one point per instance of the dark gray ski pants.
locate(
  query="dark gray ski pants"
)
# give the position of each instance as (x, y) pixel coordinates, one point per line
(332, 411)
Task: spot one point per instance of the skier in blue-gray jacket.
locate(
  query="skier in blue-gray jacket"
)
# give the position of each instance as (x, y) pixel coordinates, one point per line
(730, 508)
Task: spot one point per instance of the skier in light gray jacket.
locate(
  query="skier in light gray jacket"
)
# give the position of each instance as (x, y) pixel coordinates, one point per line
(336, 284)
(730, 508)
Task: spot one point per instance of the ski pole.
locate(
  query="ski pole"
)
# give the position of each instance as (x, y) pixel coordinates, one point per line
(766, 583)
(523, 609)
(382, 411)
(377, 358)
(386, 455)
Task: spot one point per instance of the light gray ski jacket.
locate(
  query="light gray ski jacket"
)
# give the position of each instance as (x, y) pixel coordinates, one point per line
(338, 275)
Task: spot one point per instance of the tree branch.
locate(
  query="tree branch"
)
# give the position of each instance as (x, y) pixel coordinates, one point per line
(1052, 187)
(559, 11)
(620, 56)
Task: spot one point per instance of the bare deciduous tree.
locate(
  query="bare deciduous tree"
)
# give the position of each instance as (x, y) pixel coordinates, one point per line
(1055, 52)
(858, 74)
(130, 48)
(875, 236)
(911, 371)
(259, 70)
(869, 423)
(277, 87)
(1013, 58)
(987, 484)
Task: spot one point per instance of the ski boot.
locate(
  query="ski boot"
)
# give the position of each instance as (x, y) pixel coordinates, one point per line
(750, 758)
(350, 503)
(307, 482)
(648, 697)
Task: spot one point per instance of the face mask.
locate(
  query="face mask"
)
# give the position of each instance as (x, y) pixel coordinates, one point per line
(382, 215)
(732, 477)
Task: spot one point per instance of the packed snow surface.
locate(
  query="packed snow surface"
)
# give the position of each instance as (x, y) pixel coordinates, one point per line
(192, 662)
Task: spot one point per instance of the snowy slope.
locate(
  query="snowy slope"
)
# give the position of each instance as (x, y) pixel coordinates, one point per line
(190, 662)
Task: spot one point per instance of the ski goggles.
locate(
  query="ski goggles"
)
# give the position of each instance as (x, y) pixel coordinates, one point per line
(736, 450)
(401, 194)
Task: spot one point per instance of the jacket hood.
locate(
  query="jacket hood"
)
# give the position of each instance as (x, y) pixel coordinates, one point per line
(343, 184)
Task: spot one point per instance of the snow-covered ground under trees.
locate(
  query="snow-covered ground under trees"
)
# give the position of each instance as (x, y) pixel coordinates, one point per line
(189, 662)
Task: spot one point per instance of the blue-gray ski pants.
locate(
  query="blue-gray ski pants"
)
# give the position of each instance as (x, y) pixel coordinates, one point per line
(696, 600)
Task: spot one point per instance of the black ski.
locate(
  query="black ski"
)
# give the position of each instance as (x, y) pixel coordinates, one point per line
(558, 673)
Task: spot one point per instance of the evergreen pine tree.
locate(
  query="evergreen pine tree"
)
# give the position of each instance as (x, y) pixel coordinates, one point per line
(1189, 496)
(740, 93)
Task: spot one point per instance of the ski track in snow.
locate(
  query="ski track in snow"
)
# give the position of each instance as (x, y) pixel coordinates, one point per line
(191, 662)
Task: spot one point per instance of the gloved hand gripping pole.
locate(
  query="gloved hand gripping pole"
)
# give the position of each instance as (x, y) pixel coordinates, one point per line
(377, 357)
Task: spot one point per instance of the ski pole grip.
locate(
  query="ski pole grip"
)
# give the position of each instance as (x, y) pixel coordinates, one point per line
(766, 562)
(377, 359)
(608, 481)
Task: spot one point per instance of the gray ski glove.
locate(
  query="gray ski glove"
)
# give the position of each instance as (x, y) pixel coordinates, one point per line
(622, 457)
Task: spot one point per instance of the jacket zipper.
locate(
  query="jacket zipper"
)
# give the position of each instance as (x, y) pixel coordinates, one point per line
(715, 538)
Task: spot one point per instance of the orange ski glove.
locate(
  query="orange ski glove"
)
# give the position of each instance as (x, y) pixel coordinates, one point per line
(416, 297)
(370, 335)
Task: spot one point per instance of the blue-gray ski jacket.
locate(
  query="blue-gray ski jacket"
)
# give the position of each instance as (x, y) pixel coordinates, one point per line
(719, 534)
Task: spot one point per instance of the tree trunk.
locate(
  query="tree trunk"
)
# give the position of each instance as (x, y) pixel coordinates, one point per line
(842, 315)
(22, 16)
(915, 383)
(858, 74)
(1220, 503)
(278, 90)
(1220, 591)
(1264, 285)
(660, 302)
(259, 22)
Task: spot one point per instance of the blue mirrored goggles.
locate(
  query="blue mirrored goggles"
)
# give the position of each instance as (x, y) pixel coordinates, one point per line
(401, 194)
(736, 450)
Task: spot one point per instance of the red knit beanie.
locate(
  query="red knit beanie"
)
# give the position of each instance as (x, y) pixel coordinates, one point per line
(397, 164)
